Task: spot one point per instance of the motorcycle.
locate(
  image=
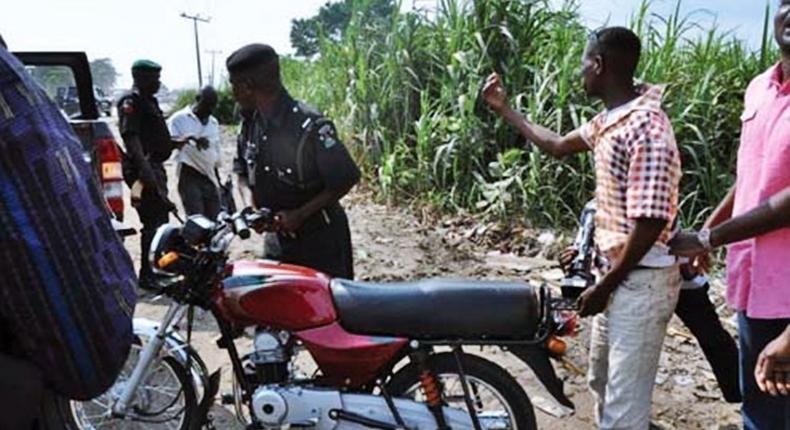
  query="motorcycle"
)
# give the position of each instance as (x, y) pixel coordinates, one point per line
(389, 356)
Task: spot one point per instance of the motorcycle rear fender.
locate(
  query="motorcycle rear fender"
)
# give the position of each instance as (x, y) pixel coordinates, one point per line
(537, 358)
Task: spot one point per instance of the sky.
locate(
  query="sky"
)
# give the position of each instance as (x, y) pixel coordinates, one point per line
(132, 29)
(744, 18)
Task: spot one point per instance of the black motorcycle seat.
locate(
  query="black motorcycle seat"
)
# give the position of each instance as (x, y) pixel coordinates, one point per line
(439, 309)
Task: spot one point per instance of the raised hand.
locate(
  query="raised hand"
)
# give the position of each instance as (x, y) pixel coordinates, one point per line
(494, 93)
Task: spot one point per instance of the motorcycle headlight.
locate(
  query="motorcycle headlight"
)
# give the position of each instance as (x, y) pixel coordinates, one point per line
(197, 230)
(167, 250)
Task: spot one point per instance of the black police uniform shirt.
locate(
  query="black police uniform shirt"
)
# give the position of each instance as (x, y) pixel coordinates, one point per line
(142, 116)
(296, 155)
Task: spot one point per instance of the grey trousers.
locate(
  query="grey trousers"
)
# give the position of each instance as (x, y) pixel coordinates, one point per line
(626, 346)
(198, 193)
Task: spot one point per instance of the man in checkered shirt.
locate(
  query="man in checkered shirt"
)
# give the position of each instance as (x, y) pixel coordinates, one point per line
(637, 178)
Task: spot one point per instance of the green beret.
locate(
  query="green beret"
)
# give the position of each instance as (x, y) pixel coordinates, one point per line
(146, 66)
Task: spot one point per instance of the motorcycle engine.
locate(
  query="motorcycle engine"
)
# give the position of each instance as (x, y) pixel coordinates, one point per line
(271, 356)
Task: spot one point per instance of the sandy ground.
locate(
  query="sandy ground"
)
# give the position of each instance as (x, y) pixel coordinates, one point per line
(390, 244)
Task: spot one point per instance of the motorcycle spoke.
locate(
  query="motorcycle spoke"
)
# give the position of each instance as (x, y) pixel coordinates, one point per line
(172, 392)
(164, 392)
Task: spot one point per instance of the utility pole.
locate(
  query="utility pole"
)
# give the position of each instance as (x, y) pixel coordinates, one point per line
(195, 19)
(214, 53)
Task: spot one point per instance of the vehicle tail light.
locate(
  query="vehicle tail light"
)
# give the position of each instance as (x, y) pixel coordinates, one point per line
(556, 346)
(111, 171)
(113, 193)
(109, 164)
(566, 322)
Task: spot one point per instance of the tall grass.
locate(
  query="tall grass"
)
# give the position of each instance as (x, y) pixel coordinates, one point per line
(405, 97)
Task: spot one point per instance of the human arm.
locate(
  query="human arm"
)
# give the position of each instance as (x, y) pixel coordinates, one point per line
(550, 142)
(651, 195)
(338, 173)
(772, 215)
(291, 221)
(701, 263)
(644, 235)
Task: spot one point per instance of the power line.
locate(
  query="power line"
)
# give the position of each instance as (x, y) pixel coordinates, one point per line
(195, 19)
(214, 53)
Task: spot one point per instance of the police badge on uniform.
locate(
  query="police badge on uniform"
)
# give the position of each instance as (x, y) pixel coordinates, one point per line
(327, 136)
(127, 106)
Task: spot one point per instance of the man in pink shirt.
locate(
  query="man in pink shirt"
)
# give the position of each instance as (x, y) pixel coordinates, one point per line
(754, 219)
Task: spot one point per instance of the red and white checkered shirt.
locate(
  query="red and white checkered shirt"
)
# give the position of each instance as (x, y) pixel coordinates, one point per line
(637, 169)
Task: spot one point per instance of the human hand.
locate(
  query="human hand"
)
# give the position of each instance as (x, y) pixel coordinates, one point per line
(494, 93)
(701, 263)
(686, 244)
(566, 257)
(137, 193)
(772, 371)
(181, 141)
(202, 143)
(594, 300)
(167, 203)
(288, 221)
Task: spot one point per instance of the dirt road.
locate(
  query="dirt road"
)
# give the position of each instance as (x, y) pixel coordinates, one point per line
(390, 244)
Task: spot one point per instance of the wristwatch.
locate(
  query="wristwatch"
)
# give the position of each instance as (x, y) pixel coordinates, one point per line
(704, 238)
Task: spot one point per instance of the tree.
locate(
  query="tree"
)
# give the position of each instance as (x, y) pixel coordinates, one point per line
(332, 20)
(51, 78)
(104, 74)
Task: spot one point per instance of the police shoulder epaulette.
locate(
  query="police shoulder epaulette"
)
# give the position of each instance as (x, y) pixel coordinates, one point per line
(307, 109)
(128, 103)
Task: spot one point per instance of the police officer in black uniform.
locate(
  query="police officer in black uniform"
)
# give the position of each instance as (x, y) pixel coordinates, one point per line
(295, 165)
(148, 144)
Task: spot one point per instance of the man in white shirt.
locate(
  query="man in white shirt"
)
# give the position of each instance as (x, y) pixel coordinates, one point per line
(198, 161)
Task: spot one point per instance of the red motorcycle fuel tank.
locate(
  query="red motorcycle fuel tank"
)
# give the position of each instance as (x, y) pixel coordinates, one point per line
(269, 293)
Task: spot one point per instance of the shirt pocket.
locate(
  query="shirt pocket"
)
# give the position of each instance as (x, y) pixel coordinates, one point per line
(749, 136)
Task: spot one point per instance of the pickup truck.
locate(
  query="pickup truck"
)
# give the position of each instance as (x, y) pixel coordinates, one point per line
(100, 147)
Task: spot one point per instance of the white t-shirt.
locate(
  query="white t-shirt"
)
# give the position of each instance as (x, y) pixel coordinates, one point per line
(185, 123)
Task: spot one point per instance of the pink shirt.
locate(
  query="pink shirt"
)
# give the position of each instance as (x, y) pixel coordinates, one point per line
(758, 270)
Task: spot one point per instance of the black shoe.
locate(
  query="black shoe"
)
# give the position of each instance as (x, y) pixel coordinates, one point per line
(149, 283)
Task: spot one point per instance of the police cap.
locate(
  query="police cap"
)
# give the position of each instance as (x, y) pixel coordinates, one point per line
(250, 56)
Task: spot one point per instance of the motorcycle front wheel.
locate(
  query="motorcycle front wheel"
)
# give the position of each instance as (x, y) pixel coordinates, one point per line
(165, 400)
(498, 399)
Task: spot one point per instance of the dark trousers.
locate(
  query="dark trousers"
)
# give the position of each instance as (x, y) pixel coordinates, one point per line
(21, 393)
(699, 314)
(325, 247)
(198, 193)
(153, 213)
(761, 411)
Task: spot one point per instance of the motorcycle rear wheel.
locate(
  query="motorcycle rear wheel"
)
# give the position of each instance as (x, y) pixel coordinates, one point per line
(500, 402)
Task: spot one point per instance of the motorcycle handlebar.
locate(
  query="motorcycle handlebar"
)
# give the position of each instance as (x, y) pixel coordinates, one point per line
(247, 219)
(240, 226)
